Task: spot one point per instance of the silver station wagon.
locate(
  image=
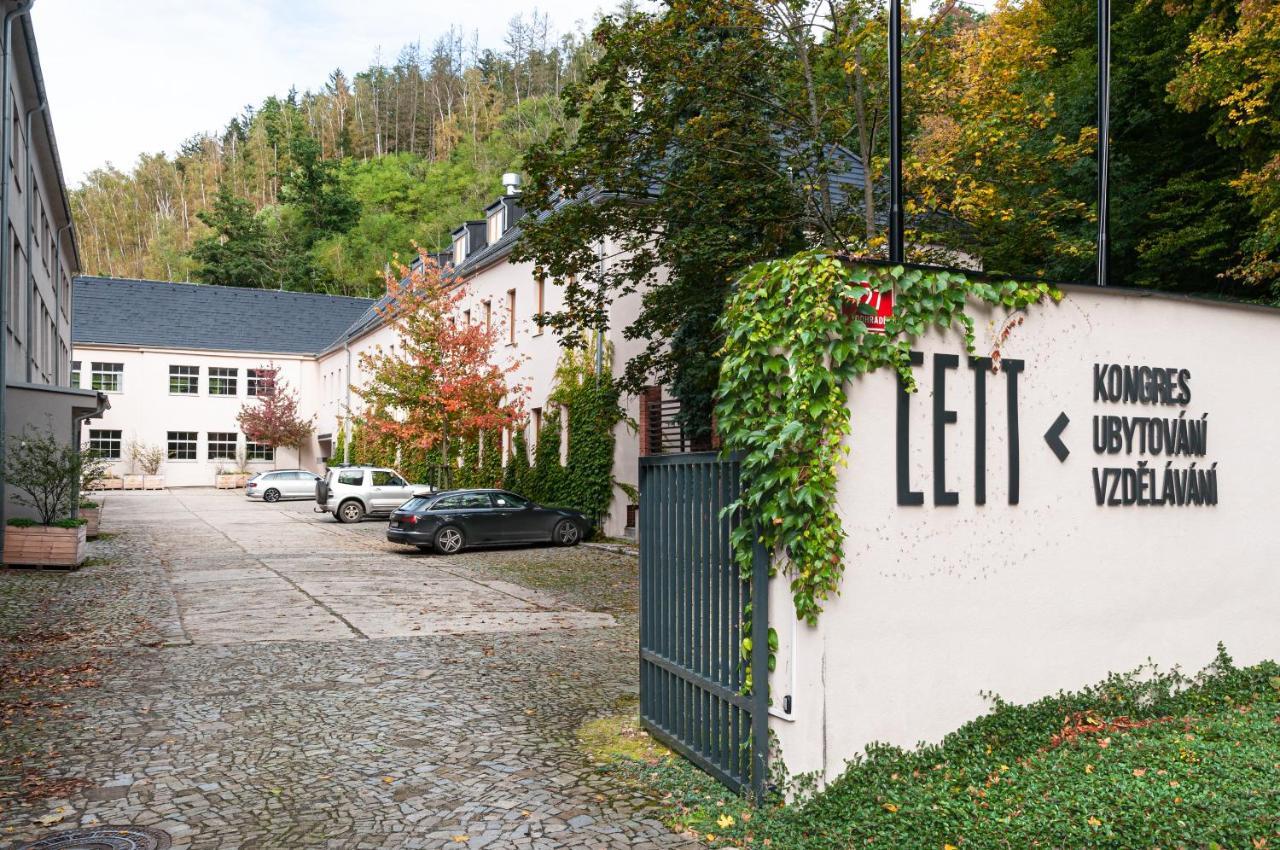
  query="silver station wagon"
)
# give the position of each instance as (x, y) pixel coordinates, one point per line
(282, 484)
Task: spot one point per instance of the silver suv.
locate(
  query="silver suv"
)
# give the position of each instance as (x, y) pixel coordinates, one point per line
(351, 493)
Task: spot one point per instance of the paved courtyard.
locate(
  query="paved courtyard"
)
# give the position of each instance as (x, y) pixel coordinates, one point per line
(249, 675)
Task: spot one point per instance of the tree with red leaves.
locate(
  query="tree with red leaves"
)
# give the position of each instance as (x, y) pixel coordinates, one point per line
(272, 417)
(441, 383)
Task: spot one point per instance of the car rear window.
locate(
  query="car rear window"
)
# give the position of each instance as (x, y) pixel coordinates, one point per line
(354, 477)
(415, 504)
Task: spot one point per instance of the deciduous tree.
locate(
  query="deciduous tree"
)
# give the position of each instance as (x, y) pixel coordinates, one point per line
(272, 417)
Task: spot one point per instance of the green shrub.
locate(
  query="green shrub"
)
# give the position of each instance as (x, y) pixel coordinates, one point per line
(21, 522)
(70, 523)
(86, 505)
(1142, 760)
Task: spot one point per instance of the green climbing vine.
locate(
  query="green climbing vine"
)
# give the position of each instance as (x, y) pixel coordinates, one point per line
(791, 346)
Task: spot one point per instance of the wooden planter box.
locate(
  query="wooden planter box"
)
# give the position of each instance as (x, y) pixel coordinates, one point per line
(153, 482)
(92, 518)
(44, 546)
(108, 484)
(132, 482)
(231, 481)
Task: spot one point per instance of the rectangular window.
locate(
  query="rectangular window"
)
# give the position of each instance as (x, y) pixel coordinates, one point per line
(106, 377)
(222, 381)
(488, 316)
(75, 374)
(459, 250)
(182, 445)
(540, 290)
(257, 381)
(495, 226)
(105, 444)
(466, 318)
(535, 421)
(184, 380)
(16, 292)
(222, 445)
(259, 451)
(511, 316)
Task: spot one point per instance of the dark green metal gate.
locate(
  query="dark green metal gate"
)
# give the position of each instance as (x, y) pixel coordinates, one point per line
(692, 600)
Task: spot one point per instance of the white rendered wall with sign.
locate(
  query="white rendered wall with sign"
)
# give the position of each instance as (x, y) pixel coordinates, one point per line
(1096, 490)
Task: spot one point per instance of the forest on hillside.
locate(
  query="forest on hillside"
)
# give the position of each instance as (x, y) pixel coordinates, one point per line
(317, 190)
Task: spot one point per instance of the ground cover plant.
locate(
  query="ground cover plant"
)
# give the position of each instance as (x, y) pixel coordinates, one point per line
(1148, 759)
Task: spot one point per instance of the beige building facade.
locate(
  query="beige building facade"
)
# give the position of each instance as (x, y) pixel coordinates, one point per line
(38, 258)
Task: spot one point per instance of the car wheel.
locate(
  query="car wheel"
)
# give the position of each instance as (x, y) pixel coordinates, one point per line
(350, 511)
(272, 495)
(566, 533)
(449, 540)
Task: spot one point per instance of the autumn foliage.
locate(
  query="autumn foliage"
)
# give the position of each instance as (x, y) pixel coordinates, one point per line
(272, 418)
(440, 382)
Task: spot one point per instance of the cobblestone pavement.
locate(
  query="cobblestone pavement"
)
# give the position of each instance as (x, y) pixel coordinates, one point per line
(124, 704)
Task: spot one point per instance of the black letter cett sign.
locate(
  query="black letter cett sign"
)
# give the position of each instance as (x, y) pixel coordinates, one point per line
(1149, 436)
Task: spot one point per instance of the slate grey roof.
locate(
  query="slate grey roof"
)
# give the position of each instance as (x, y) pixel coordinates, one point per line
(121, 311)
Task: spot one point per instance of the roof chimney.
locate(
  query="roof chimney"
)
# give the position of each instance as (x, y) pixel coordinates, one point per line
(512, 181)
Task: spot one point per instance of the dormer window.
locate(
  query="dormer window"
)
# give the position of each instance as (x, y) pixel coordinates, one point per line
(460, 249)
(495, 225)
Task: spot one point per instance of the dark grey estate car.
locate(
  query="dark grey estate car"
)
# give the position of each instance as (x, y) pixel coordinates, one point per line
(449, 520)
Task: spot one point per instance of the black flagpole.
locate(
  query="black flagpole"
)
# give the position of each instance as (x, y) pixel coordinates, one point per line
(1104, 139)
(896, 223)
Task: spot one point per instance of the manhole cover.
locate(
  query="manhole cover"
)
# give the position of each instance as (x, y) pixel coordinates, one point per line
(103, 838)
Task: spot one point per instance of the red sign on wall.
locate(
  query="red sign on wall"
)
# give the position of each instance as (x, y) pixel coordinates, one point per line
(877, 310)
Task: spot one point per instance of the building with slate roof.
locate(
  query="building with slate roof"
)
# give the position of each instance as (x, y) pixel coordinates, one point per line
(179, 360)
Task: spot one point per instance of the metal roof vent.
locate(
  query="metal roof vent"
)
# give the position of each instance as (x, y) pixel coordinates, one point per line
(511, 180)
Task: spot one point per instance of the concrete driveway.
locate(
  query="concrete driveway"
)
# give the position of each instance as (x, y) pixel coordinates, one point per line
(246, 571)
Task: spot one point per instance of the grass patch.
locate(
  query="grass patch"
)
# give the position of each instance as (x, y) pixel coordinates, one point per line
(98, 562)
(1142, 760)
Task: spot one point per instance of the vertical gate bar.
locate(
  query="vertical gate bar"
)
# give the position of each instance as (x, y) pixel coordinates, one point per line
(665, 543)
(759, 671)
(713, 607)
(682, 597)
(697, 506)
(646, 598)
(727, 494)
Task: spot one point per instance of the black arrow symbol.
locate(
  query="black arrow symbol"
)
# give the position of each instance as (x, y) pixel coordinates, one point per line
(1054, 436)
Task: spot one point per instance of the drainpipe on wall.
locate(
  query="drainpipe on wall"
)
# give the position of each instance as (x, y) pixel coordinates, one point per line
(6, 128)
(346, 432)
(31, 229)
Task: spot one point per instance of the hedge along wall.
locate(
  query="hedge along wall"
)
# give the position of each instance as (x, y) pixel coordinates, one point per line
(585, 481)
(977, 560)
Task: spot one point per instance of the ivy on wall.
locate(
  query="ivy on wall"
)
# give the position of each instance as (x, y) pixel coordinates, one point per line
(791, 347)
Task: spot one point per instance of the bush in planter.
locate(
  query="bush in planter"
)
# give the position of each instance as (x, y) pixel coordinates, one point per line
(46, 471)
(147, 458)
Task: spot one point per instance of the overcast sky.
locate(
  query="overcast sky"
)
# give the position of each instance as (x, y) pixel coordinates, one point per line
(131, 76)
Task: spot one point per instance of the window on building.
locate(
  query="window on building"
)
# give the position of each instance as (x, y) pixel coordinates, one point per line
(540, 295)
(106, 377)
(466, 317)
(222, 445)
(222, 380)
(105, 443)
(257, 381)
(259, 451)
(16, 292)
(181, 445)
(184, 380)
(511, 316)
(488, 316)
(459, 249)
(75, 374)
(495, 226)
(535, 423)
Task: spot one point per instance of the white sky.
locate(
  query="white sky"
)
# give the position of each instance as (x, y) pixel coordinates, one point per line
(126, 77)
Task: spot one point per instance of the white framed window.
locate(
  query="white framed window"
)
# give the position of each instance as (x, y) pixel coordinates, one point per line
(181, 445)
(222, 445)
(495, 226)
(540, 299)
(459, 250)
(259, 451)
(222, 380)
(184, 380)
(511, 317)
(488, 316)
(257, 382)
(75, 374)
(105, 443)
(106, 377)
